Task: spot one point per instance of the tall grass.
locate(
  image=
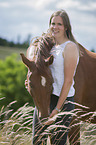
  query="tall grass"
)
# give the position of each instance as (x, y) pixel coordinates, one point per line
(16, 127)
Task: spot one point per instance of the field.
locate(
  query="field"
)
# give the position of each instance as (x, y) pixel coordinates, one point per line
(7, 51)
(17, 130)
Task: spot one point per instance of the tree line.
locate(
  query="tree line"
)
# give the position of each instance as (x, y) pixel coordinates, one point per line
(4, 42)
(25, 44)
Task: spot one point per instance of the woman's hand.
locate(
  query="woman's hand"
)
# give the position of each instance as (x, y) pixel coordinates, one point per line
(51, 120)
(54, 112)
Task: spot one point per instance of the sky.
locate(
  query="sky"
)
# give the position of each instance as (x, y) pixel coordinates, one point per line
(20, 18)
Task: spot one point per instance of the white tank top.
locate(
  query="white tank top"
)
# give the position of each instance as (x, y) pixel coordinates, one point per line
(57, 69)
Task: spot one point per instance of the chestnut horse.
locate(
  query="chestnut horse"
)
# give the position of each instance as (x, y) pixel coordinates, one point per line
(85, 90)
(39, 77)
(40, 81)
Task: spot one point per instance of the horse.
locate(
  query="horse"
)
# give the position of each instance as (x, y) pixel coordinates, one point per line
(85, 90)
(39, 76)
(40, 82)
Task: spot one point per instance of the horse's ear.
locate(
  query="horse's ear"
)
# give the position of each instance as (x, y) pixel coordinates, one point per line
(49, 60)
(27, 62)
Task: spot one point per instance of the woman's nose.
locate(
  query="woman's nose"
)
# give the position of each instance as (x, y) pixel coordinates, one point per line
(55, 26)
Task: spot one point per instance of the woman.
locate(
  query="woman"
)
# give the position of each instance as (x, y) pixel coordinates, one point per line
(66, 57)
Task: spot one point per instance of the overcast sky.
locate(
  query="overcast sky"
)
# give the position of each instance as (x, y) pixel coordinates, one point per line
(23, 17)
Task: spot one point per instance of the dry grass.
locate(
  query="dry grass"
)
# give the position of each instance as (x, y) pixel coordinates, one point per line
(17, 129)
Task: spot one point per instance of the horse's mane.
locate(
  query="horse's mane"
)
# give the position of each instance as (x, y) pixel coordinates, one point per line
(42, 47)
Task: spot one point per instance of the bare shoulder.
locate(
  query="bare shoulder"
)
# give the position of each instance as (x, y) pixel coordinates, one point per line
(71, 48)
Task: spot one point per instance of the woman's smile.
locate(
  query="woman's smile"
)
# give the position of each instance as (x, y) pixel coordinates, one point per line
(57, 26)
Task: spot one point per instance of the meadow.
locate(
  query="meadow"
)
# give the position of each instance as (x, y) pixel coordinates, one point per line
(16, 127)
(7, 51)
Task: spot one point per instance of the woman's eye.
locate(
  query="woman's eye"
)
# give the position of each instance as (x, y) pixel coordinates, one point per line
(59, 24)
(52, 23)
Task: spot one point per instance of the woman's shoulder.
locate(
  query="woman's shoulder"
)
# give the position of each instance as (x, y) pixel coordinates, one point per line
(71, 48)
(70, 45)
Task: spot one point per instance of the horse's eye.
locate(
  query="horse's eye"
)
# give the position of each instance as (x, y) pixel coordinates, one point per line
(43, 81)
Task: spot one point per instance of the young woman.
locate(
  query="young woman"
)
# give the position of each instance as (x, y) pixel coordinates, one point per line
(63, 68)
(66, 57)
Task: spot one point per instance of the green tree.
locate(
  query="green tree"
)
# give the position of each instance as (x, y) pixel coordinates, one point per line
(12, 78)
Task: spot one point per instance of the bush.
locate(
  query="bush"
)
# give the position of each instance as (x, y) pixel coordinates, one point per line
(12, 78)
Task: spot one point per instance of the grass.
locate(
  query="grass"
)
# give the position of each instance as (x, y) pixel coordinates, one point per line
(7, 51)
(17, 129)
(88, 134)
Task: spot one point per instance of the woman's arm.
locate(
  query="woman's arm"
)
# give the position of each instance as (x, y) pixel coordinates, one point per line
(71, 55)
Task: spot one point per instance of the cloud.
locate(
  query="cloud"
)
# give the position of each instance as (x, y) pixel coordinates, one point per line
(4, 5)
(67, 4)
(34, 4)
(89, 5)
(23, 17)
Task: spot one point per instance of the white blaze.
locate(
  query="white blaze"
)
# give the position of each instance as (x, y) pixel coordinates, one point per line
(43, 81)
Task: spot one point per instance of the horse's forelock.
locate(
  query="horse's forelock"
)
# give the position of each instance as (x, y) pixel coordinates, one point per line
(49, 42)
(45, 44)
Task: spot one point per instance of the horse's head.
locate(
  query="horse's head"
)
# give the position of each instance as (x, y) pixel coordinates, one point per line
(39, 84)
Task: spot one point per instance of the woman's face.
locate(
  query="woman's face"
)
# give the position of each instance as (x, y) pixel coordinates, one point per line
(57, 27)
